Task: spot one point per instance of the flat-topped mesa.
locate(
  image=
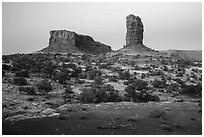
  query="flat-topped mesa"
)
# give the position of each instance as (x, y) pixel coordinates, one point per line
(63, 41)
(134, 35)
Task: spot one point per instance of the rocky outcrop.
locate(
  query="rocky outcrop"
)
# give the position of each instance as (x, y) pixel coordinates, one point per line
(134, 35)
(63, 41)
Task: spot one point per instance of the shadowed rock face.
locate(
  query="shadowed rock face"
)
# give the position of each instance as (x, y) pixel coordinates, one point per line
(135, 30)
(68, 42)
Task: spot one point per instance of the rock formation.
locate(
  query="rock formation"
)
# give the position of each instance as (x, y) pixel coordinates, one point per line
(134, 35)
(135, 30)
(64, 41)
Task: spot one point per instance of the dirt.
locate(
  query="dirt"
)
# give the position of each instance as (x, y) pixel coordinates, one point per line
(123, 118)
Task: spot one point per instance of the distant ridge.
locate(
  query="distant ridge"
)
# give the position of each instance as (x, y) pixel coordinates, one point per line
(192, 55)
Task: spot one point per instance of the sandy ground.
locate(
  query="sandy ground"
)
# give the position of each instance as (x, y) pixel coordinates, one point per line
(182, 118)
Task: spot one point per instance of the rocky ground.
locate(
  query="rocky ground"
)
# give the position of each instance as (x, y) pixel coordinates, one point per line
(170, 118)
(41, 115)
(174, 113)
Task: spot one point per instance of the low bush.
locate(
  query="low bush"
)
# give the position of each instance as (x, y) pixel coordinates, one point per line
(98, 81)
(83, 75)
(68, 94)
(20, 81)
(124, 75)
(44, 85)
(62, 76)
(158, 113)
(113, 79)
(22, 73)
(174, 87)
(79, 81)
(6, 67)
(87, 96)
(193, 90)
(126, 97)
(158, 83)
(138, 84)
(105, 93)
(94, 73)
(137, 91)
(28, 89)
(3, 73)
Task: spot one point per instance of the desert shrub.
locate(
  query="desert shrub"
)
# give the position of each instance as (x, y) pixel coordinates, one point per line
(113, 96)
(143, 96)
(84, 57)
(138, 84)
(132, 63)
(124, 75)
(3, 73)
(164, 62)
(83, 75)
(181, 82)
(143, 75)
(165, 68)
(22, 73)
(130, 81)
(6, 67)
(158, 83)
(68, 94)
(98, 81)
(44, 85)
(180, 73)
(79, 81)
(126, 97)
(113, 78)
(76, 73)
(101, 95)
(68, 90)
(137, 91)
(62, 76)
(105, 93)
(49, 69)
(158, 113)
(28, 89)
(94, 73)
(87, 96)
(20, 81)
(173, 88)
(184, 63)
(103, 65)
(193, 90)
(24, 61)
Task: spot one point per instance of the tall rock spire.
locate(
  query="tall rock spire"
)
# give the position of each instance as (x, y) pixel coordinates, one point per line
(135, 30)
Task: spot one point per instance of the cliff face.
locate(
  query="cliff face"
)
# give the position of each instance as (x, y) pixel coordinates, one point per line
(69, 42)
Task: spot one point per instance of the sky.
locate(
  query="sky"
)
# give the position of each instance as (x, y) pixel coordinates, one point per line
(26, 26)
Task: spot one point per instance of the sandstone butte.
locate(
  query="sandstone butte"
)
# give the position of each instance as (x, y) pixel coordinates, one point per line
(63, 41)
